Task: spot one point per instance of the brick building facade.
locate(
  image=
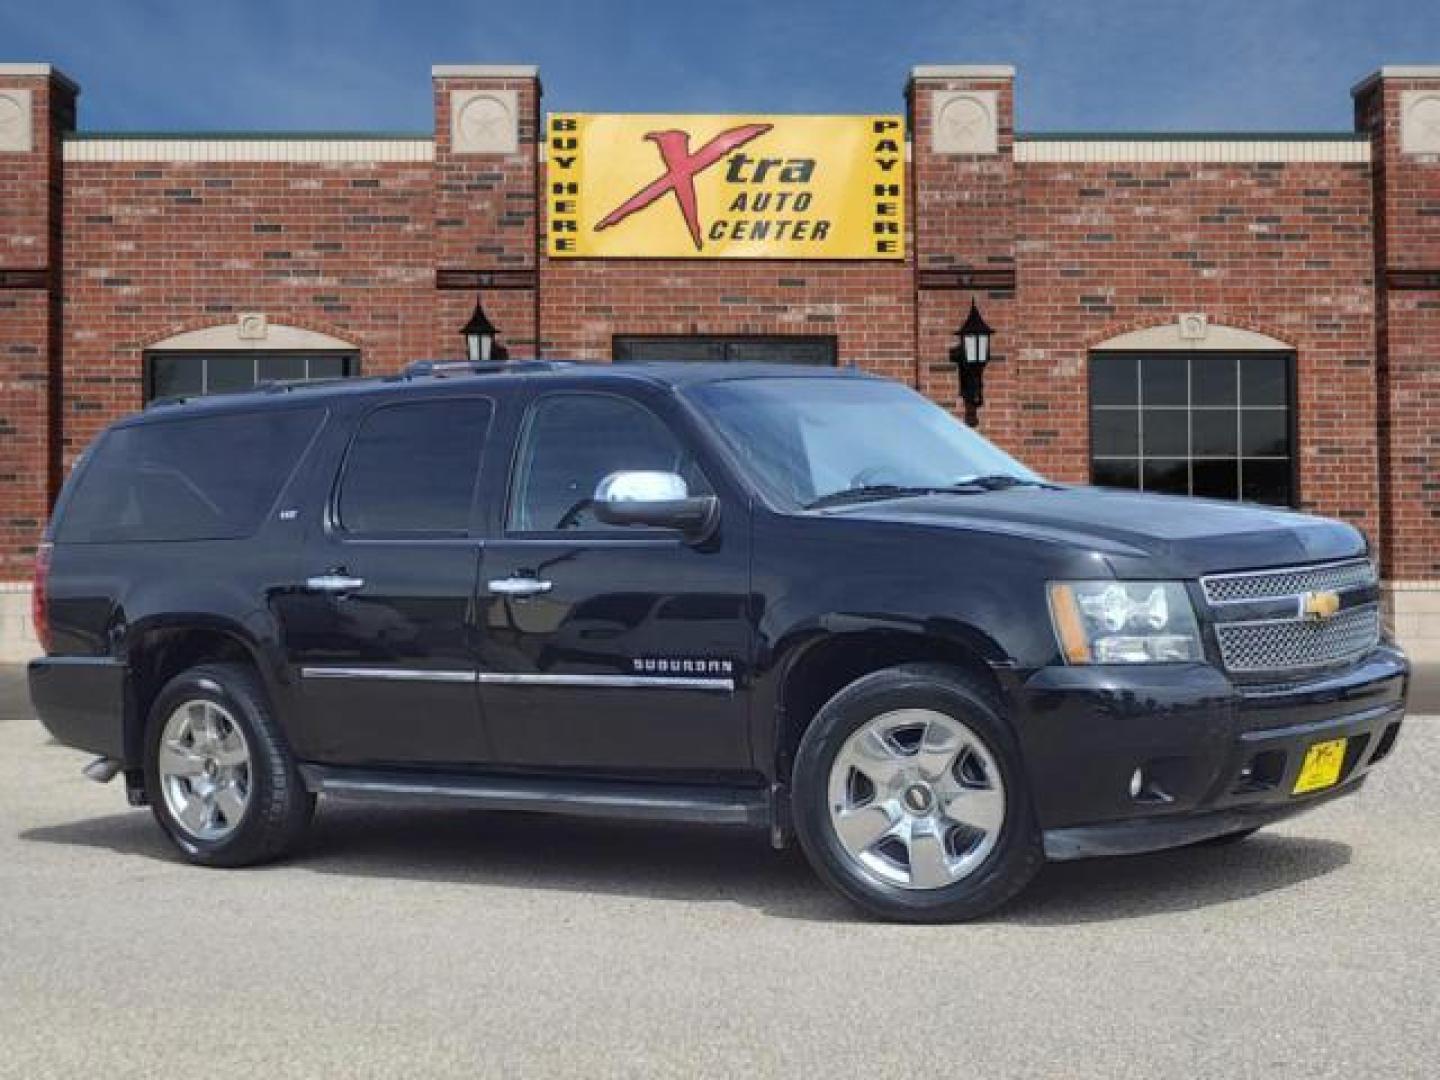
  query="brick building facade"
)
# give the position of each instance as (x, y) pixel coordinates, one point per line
(127, 260)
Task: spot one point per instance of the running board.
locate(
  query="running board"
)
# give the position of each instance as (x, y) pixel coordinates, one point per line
(546, 795)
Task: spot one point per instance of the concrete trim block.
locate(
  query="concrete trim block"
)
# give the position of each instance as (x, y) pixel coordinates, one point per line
(1420, 121)
(963, 71)
(1193, 331)
(221, 149)
(1191, 150)
(485, 71)
(965, 122)
(17, 126)
(39, 71)
(251, 330)
(1397, 71)
(484, 122)
(17, 636)
(1414, 597)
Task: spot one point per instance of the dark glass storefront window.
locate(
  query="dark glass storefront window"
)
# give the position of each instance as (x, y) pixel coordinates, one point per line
(635, 349)
(1217, 425)
(193, 374)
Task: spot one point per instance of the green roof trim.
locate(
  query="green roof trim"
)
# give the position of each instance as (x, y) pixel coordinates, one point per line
(1191, 136)
(251, 136)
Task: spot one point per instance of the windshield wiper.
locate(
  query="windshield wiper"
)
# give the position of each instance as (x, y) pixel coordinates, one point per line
(865, 492)
(997, 481)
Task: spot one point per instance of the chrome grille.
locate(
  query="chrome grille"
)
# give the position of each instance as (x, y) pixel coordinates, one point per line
(1291, 581)
(1290, 644)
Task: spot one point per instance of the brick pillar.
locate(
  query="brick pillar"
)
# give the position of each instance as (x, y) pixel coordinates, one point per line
(486, 205)
(1400, 108)
(963, 209)
(37, 105)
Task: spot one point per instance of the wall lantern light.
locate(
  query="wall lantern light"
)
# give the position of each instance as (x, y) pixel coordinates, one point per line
(482, 343)
(970, 356)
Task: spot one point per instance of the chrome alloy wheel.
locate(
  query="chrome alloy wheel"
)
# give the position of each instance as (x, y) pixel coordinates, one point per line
(204, 766)
(916, 799)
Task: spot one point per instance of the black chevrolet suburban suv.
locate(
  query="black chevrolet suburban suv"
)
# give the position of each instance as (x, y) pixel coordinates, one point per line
(805, 600)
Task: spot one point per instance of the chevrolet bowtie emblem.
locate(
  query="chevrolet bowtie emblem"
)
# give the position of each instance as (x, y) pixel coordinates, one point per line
(1319, 605)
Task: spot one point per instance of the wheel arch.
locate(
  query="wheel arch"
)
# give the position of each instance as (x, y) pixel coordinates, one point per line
(819, 667)
(159, 649)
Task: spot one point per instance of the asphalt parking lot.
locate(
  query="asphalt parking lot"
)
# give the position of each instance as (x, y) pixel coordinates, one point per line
(423, 943)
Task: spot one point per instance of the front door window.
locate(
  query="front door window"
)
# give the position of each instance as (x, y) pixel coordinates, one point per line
(572, 442)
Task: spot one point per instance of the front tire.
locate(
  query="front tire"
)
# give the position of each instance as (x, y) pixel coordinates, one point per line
(220, 778)
(911, 800)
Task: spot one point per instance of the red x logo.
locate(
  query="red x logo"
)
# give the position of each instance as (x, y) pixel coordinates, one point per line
(681, 168)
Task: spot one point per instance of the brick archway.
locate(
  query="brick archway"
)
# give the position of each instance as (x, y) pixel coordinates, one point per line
(1218, 337)
(227, 337)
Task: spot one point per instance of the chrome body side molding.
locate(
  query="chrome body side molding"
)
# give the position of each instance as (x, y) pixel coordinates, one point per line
(388, 674)
(643, 682)
(497, 678)
(82, 661)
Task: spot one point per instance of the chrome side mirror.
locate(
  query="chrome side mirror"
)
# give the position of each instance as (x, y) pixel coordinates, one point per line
(657, 499)
(637, 486)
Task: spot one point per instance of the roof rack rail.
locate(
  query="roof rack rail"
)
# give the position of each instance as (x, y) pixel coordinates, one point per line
(441, 368)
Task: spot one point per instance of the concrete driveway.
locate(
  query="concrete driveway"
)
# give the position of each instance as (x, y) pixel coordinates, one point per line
(471, 944)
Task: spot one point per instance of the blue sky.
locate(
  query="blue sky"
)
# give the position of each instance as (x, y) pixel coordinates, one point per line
(364, 64)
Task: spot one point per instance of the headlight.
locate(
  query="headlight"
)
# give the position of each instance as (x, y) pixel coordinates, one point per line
(1124, 622)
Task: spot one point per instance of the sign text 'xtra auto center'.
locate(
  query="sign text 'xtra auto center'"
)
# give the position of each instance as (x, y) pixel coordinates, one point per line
(783, 187)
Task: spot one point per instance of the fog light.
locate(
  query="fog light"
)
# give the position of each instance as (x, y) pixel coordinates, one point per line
(1137, 783)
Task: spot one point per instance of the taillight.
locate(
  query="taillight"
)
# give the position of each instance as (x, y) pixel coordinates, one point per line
(39, 600)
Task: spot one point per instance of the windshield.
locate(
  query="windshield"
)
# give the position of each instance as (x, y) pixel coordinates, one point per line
(809, 441)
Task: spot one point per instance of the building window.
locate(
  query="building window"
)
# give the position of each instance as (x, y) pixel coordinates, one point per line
(1218, 425)
(194, 374)
(635, 349)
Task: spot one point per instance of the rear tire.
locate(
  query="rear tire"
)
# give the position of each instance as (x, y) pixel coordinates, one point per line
(911, 799)
(220, 778)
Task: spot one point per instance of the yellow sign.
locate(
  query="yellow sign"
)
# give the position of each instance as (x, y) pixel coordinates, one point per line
(726, 187)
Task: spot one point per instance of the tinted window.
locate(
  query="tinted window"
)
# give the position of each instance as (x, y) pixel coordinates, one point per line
(412, 467)
(573, 441)
(201, 478)
(1209, 424)
(804, 439)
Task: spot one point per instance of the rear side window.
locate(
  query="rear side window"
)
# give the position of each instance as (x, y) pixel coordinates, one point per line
(412, 468)
(200, 478)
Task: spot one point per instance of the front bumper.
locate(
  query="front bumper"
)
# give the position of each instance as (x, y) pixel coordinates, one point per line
(1216, 757)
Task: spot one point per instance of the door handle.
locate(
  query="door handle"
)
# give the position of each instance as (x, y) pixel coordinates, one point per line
(519, 586)
(334, 583)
